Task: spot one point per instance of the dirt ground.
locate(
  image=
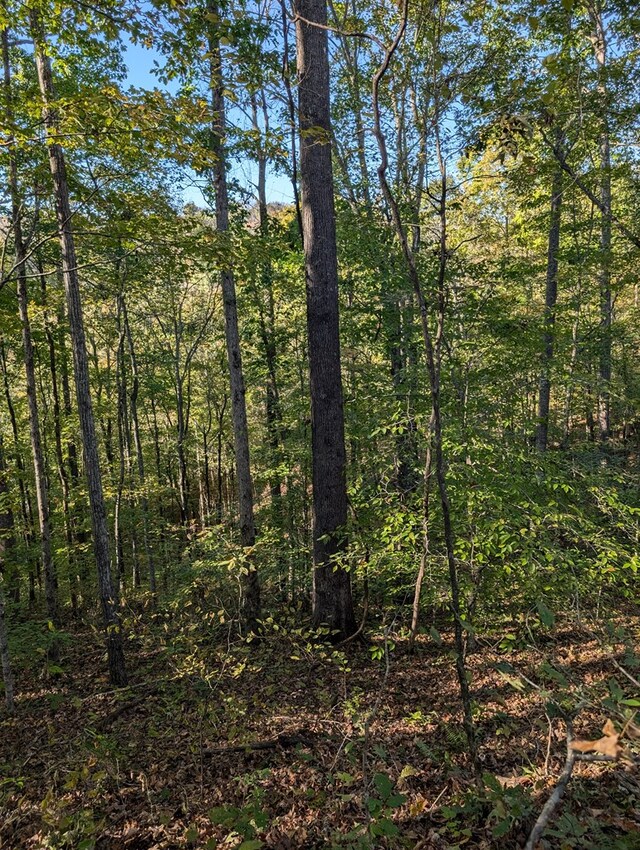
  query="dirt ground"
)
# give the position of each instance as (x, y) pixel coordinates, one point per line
(280, 746)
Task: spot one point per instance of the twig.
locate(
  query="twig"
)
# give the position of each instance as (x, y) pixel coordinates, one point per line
(624, 672)
(281, 740)
(548, 755)
(108, 719)
(557, 794)
(437, 799)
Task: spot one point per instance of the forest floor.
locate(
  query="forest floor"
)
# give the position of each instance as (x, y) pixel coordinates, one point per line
(283, 746)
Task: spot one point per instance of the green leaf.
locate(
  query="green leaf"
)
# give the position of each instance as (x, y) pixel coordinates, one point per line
(435, 634)
(502, 828)
(383, 784)
(546, 615)
(615, 690)
(251, 844)
(491, 782)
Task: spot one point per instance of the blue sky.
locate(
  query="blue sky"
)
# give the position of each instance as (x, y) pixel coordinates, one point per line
(140, 63)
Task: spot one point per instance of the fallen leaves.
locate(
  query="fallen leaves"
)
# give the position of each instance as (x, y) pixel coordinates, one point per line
(609, 745)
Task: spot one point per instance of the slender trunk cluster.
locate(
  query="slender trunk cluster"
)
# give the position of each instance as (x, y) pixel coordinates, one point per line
(42, 494)
(108, 598)
(432, 350)
(551, 297)
(6, 552)
(604, 275)
(251, 585)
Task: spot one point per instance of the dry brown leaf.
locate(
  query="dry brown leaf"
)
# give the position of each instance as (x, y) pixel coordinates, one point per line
(513, 781)
(608, 745)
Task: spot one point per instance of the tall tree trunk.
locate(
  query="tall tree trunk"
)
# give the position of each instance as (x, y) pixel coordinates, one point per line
(57, 429)
(7, 543)
(135, 422)
(121, 386)
(432, 350)
(251, 585)
(42, 494)
(5, 659)
(72, 450)
(332, 601)
(108, 599)
(604, 276)
(181, 426)
(291, 108)
(551, 297)
(426, 493)
(26, 513)
(266, 315)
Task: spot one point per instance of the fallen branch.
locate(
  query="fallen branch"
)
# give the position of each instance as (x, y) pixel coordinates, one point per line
(557, 794)
(108, 719)
(281, 740)
(606, 749)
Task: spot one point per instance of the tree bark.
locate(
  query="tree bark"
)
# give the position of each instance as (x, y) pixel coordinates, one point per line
(6, 547)
(108, 599)
(42, 493)
(26, 514)
(133, 403)
(331, 598)
(432, 350)
(57, 429)
(266, 314)
(604, 276)
(250, 583)
(551, 297)
(121, 388)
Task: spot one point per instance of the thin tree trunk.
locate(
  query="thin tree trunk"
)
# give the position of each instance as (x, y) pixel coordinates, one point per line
(121, 415)
(331, 595)
(415, 612)
(115, 649)
(42, 494)
(26, 513)
(57, 429)
(251, 585)
(72, 450)
(286, 78)
(551, 297)
(7, 544)
(219, 472)
(183, 477)
(433, 357)
(604, 276)
(133, 403)
(266, 314)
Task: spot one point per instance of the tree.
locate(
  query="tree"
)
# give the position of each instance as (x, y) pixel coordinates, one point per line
(108, 598)
(599, 40)
(6, 551)
(251, 584)
(332, 601)
(42, 494)
(551, 297)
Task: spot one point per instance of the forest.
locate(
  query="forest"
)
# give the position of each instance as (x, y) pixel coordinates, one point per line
(320, 424)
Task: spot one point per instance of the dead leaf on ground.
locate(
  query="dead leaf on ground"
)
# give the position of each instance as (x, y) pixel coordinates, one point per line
(513, 781)
(608, 745)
